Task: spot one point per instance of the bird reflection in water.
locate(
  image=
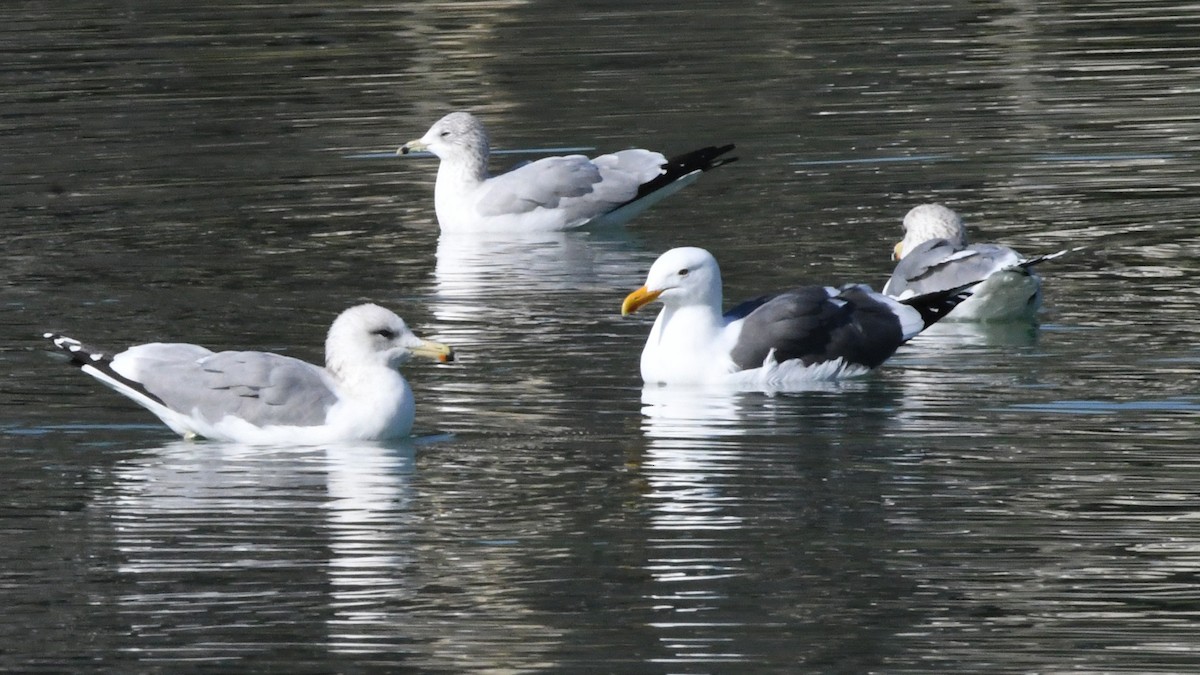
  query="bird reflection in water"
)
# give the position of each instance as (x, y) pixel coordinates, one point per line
(209, 535)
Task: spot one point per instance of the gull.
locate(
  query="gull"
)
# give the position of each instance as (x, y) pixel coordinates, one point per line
(935, 256)
(774, 342)
(260, 397)
(552, 193)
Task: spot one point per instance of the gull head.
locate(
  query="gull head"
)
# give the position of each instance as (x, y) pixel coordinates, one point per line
(459, 134)
(930, 221)
(681, 276)
(369, 335)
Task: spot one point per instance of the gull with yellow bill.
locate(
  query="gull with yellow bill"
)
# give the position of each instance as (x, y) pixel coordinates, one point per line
(775, 342)
(260, 397)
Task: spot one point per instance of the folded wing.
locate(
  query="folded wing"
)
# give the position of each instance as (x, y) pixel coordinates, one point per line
(261, 388)
(818, 324)
(583, 188)
(939, 265)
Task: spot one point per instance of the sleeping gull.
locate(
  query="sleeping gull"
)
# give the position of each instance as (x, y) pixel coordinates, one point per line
(552, 193)
(935, 256)
(774, 342)
(259, 397)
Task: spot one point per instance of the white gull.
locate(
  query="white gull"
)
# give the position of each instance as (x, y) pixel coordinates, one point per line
(773, 342)
(260, 397)
(552, 193)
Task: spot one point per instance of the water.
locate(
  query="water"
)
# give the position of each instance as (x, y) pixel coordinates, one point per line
(1000, 500)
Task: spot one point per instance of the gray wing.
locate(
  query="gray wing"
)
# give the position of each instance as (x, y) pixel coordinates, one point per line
(544, 183)
(938, 265)
(817, 324)
(579, 186)
(259, 387)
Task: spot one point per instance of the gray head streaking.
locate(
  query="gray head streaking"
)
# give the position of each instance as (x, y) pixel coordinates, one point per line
(261, 397)
(552, 193)
(935, 256)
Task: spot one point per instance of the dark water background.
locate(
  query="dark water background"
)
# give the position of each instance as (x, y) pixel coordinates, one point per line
(1008, 500)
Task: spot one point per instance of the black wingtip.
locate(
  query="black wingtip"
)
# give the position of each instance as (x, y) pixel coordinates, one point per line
(78, 353)
(81, 355)
(934, 307)
(701, 159)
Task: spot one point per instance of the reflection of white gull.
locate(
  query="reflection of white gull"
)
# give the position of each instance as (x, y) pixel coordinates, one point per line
(684, 413)
(552, 193)
(259, 397)
(479, 265)
(370, 546)
(690, 468)
(773, 342)
(935, 256)
(480, 277)
(326, 528)
(686, 453)
(193, 509)
(955, 334)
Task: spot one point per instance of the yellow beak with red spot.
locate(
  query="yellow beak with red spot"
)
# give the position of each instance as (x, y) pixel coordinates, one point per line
(442, 353)
(898, 250)
(638, 299)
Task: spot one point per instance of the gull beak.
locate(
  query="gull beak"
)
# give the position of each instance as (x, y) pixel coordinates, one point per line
(637, 299)
(411, 146)
(898, 250)
(434, 350)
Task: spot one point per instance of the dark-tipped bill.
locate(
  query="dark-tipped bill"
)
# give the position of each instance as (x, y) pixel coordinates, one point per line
(411, 146)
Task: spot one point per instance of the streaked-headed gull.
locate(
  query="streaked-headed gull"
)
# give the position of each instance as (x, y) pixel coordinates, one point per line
(260, 397)
(552, 193)
(935, 256)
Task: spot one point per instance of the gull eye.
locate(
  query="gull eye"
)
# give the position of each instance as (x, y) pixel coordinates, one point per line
(683, 272)
(385, 333)
(444, 134)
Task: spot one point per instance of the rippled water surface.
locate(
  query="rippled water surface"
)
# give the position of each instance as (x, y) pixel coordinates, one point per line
(1009, 499)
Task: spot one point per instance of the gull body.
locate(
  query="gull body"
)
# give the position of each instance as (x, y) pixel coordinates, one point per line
(772, 342)
(552, 193)
(934, 256)
(261, 397)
